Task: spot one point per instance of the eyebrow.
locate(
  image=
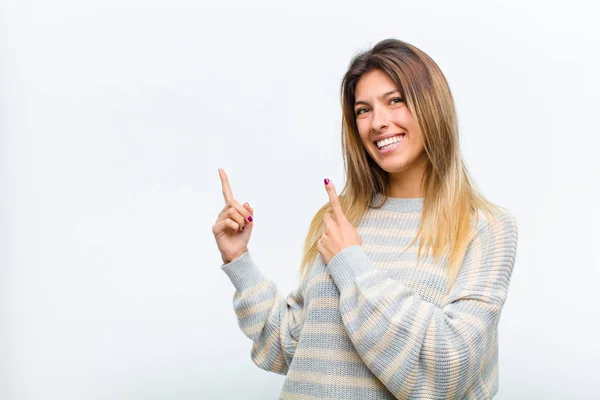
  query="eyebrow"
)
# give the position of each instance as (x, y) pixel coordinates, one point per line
(381, 97)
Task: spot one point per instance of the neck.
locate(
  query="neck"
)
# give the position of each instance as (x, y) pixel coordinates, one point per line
(407, 184)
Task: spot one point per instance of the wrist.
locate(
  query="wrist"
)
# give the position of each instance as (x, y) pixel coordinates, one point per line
(228, 260)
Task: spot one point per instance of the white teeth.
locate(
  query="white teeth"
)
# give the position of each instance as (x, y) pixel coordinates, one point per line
(391, 140)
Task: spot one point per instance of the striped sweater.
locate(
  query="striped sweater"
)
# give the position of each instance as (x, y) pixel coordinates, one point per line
(374, 324)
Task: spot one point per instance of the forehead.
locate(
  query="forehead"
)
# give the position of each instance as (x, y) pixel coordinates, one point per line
(373, 84)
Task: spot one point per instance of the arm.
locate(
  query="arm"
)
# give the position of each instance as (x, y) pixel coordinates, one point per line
(414, 347)
(272, 322)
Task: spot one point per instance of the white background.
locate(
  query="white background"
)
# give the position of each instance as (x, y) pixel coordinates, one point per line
(116, 115)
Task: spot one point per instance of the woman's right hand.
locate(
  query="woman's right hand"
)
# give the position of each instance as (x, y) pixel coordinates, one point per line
(234, 225)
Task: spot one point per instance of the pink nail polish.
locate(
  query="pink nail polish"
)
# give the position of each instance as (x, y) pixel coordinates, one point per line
(250, 218)
(326, 181)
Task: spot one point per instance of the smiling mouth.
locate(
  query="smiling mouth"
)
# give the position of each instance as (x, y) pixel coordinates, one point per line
(384, 144)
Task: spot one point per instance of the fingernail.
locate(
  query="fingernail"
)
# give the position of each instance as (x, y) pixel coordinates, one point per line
(243, 227)
(326, 181)
(250, 218)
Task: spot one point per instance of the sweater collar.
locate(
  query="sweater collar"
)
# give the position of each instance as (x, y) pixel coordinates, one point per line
(399, 204)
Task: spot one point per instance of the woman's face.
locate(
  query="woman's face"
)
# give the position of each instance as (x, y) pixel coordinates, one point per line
(382, 113)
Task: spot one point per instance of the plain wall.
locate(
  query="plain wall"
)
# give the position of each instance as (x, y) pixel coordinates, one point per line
(116, 115)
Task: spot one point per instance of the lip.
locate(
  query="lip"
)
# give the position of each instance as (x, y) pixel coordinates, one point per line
(390, 149)
(389, 135)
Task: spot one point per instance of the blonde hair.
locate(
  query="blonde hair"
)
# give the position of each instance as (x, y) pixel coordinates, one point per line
(451, 199)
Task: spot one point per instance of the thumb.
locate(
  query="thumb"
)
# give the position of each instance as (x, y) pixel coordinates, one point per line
(250, 209)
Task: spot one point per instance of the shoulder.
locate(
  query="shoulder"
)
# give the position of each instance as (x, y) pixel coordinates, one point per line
(497, 220)
(496, 231)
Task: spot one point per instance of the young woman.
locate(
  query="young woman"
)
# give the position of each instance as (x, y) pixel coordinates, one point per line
(375, 315)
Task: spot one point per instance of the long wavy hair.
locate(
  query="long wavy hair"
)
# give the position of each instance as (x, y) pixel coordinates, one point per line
(451, 199)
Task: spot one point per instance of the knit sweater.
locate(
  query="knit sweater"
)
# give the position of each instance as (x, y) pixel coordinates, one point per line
(374, 324)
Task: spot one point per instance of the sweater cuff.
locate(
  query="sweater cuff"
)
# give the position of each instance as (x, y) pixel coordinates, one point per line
(349, 264)
(243, 272)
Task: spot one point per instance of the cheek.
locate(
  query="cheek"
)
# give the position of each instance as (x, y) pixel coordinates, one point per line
(363, 129)
(404, 120)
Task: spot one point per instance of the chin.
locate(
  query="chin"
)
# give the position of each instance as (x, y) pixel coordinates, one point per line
(395, 164)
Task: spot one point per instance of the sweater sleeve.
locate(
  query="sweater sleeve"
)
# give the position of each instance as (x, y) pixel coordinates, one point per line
(272, 322)
(414, 347)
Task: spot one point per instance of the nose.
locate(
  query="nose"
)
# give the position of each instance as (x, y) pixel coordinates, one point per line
(380, 120)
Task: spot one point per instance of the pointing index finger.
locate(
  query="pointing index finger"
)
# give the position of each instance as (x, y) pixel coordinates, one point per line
(227, 193)
(334, 201)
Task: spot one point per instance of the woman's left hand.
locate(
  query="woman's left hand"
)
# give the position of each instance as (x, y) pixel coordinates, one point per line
(339, 232)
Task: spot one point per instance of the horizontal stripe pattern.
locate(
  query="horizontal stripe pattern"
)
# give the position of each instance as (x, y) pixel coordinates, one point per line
(373, 324)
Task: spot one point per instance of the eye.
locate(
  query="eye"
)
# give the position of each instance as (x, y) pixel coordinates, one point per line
(396, 100)
(360, 110)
